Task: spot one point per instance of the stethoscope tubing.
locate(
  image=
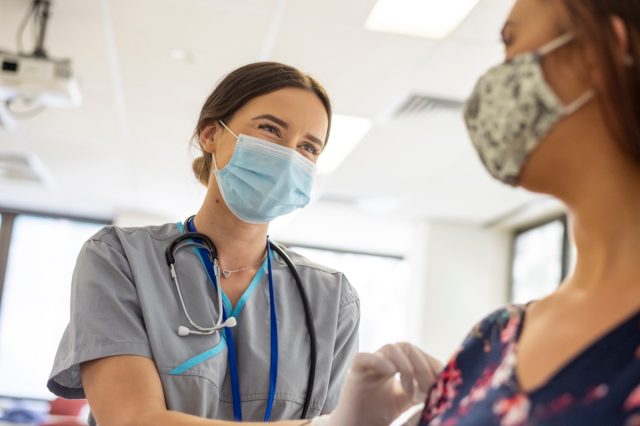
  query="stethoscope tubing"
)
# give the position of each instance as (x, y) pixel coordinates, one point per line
(311, 328)
(190, 240)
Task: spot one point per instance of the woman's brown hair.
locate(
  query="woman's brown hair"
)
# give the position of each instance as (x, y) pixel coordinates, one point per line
(241, 86)
(591, 21)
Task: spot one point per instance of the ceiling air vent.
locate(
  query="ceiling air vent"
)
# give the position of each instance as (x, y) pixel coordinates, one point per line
(421, 104)
(19, 168)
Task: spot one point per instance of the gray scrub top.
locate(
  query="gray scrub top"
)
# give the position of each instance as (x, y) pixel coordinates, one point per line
(124, 302)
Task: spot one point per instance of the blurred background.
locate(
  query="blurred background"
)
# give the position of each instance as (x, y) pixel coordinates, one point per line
(402, 204)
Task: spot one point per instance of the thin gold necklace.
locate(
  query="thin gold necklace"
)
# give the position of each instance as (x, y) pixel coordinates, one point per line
(226, 273)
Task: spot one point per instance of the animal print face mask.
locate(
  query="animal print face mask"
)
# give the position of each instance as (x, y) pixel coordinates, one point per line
(512, 109)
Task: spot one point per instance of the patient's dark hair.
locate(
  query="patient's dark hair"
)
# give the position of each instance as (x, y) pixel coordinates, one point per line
(591, 21)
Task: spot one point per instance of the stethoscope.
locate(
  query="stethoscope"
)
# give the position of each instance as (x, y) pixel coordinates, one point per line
(209, 256)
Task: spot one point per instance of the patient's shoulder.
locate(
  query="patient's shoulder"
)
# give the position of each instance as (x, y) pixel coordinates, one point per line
(501, 325)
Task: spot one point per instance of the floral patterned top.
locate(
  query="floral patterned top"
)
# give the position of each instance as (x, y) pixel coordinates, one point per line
(600, 386)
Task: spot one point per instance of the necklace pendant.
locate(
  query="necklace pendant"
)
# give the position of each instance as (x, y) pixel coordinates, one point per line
(226, 274)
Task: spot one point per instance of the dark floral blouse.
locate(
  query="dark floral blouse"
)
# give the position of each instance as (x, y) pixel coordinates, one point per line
(600, 386)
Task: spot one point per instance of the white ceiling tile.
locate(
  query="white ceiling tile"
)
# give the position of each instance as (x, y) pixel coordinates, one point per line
(362, 70)
(352, 12)
(454, 68)
(400, 156)
(484, 23)
(427, 167)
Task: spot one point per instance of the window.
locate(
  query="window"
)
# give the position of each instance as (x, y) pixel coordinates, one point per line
(41, 256)
(540, 260)
(376, 278)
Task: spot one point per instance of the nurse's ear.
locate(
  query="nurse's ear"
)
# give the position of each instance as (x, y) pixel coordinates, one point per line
(208, 137)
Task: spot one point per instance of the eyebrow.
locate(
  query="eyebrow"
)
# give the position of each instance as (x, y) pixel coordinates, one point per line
(285, 125)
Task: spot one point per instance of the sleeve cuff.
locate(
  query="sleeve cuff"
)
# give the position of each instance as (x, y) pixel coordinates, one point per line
(65, 379)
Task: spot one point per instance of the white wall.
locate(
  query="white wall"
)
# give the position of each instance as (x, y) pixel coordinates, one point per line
(131, 218)
(464, 271)
(340, 225)
(460, 272)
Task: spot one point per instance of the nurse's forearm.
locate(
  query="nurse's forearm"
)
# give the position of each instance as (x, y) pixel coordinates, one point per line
(127, 391)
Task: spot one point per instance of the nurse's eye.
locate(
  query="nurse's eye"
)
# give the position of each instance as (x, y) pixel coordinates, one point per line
(269, 128)
(309, 149)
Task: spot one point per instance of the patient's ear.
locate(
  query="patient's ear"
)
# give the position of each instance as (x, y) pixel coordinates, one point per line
(622, 37)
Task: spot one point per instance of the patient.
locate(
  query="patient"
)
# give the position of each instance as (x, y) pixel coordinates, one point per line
(560, 117)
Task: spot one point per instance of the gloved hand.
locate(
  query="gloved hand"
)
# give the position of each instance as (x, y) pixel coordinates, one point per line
(372, 394)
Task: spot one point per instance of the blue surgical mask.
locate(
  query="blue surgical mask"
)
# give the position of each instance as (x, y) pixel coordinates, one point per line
(264, 180)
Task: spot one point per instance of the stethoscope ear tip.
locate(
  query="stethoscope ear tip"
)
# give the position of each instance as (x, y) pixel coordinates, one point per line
(183, 331)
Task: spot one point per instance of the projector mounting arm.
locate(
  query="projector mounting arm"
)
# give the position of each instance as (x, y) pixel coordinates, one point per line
(39, 13)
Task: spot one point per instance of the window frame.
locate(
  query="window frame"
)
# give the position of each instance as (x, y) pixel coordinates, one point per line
(407, 311)
(566, 247)
(8, 217)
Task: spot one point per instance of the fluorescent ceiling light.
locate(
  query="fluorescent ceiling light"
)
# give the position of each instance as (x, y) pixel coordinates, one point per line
(346, 132)
(434, 19)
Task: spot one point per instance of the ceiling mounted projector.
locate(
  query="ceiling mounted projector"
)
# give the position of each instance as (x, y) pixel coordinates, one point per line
(38, 81)
(30, 83)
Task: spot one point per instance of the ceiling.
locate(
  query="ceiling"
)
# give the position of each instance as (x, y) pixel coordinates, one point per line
(146, 66)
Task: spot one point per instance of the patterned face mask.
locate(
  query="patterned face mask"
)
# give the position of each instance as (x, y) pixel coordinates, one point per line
(512, 109)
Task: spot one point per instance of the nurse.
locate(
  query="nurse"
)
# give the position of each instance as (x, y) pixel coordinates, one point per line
(135, 345)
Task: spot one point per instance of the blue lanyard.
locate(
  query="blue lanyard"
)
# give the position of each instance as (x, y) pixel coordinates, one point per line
(232, 354)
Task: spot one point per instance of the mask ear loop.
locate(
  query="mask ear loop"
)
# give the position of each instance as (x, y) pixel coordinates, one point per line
(555, 44)
(226, 127)
(215, 164)
(580, 102)
(213, 157)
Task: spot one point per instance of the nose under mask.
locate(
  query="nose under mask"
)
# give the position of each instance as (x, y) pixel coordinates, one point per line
(264, 180)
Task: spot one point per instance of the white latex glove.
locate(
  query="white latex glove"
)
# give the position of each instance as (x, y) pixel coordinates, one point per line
(372, 394)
